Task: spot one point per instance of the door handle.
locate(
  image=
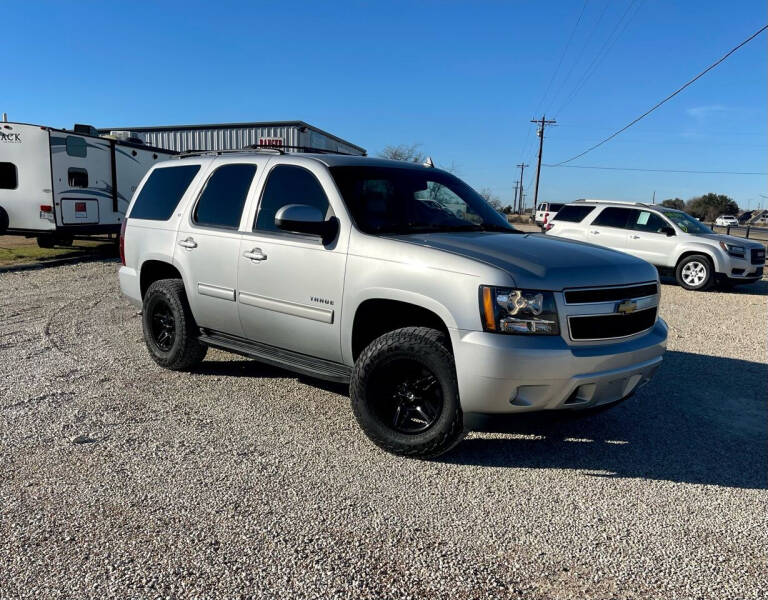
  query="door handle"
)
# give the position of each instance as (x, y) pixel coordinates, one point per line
(255, 254)
(594, 232)
(188, 243)
(634, 237)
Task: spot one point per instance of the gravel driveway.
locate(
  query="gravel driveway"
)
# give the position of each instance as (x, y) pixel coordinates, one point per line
(242, 480)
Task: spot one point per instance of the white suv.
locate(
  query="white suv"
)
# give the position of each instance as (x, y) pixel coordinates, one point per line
(665, 237)
(727, 220)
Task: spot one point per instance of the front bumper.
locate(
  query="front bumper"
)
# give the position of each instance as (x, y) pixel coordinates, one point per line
(508, 374)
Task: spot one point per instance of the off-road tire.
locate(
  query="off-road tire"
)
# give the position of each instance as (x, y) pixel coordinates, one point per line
(429, 348)
(695, 259)
(186, 350)
(46, 241)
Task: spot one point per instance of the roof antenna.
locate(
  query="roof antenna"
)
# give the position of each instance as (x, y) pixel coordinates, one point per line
(428, 163)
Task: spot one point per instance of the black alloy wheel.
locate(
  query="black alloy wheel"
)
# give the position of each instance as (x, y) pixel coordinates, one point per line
(407, 396)
(163, 325)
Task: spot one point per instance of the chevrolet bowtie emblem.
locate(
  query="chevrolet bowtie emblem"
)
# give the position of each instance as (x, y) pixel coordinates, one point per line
(627, 307)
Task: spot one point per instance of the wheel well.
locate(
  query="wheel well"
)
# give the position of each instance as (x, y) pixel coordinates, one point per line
(376, 317)
(688, 253)
(153, 270)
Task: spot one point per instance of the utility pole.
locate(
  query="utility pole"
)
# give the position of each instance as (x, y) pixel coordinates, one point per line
(514, 202)
(653, 201)
(542, 123)
(522, 168)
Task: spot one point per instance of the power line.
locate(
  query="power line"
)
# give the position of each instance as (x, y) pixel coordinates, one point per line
(672, 95)
(600, 56)
(576, 62)
(562, 56)
(658, 170)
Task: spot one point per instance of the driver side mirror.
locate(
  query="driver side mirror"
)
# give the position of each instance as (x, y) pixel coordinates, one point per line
(302, 218)
(667, 230)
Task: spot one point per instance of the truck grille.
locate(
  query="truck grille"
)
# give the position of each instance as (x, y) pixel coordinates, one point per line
(604, 327)
(758, 256)
(610, 294)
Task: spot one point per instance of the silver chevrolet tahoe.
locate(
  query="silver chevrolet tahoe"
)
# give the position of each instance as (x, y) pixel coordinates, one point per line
(396, 278)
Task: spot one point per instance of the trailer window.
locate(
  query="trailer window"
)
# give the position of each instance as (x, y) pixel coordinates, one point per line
(221, 203)
(9, 177)
(76, 146)
(162, 192)
(77, 177)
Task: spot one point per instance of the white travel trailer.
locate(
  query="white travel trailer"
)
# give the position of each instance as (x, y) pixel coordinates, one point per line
(57, 185)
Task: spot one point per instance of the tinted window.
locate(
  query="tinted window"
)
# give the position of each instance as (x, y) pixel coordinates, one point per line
(612, 217)
(289, 185)
(555, 207)
(9, 179)
(643, 220)
(221, 203)
(162, 192)
(76, 146)
(573, 213)
(77, 177)
(386, 200)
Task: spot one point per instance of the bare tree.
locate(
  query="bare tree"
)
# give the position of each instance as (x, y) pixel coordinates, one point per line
(491, 199)
(403, 152)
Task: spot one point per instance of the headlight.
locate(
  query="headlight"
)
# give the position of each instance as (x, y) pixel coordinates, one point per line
(526, 312)
(734, 250)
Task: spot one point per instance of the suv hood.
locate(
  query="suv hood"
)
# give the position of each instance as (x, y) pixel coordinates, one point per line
(540, 262)
(731, 239)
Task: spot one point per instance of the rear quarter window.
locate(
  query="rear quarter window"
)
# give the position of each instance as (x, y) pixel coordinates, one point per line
(573, 213)
(162, 192)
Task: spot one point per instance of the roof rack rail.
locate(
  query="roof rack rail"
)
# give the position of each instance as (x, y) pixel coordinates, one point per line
(300, 148)
(188, 153)
(595, 201)
(261, 148)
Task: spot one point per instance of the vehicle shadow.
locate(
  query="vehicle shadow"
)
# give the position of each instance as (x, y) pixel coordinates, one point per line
(703, 419)
(758, 288)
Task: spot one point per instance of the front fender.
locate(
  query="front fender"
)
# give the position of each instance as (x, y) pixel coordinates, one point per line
(718, 258)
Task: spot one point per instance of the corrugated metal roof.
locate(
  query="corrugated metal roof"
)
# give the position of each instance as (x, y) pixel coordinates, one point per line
(250, 125)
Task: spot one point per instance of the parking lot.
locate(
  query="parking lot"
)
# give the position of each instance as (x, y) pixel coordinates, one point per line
(120, 479)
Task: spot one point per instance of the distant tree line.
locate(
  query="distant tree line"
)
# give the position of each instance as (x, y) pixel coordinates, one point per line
(707, 207)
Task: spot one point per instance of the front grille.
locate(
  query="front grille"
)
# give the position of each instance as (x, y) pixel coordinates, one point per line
(603, 327)
(610, 294)
(758, 256)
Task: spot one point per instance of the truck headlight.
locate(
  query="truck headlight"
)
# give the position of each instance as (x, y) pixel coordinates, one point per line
(734, 250)
(522, 312)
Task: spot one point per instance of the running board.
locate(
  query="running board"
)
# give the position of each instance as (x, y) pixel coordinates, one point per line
(278, 357)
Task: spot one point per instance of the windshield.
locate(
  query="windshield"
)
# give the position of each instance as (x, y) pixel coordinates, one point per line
(386, 200)
(686, 222)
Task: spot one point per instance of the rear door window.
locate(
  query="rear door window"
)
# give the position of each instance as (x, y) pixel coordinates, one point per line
(9, 177)
(573, 213)
(613, 217)
(644, 220)
(162, 192)
(221, 203)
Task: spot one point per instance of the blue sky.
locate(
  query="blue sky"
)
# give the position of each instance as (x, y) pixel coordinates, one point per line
(462, 79)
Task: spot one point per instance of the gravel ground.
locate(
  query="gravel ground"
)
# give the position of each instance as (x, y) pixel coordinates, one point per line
(245, 481)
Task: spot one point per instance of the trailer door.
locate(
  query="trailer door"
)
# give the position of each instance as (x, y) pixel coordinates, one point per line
(82, 179)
